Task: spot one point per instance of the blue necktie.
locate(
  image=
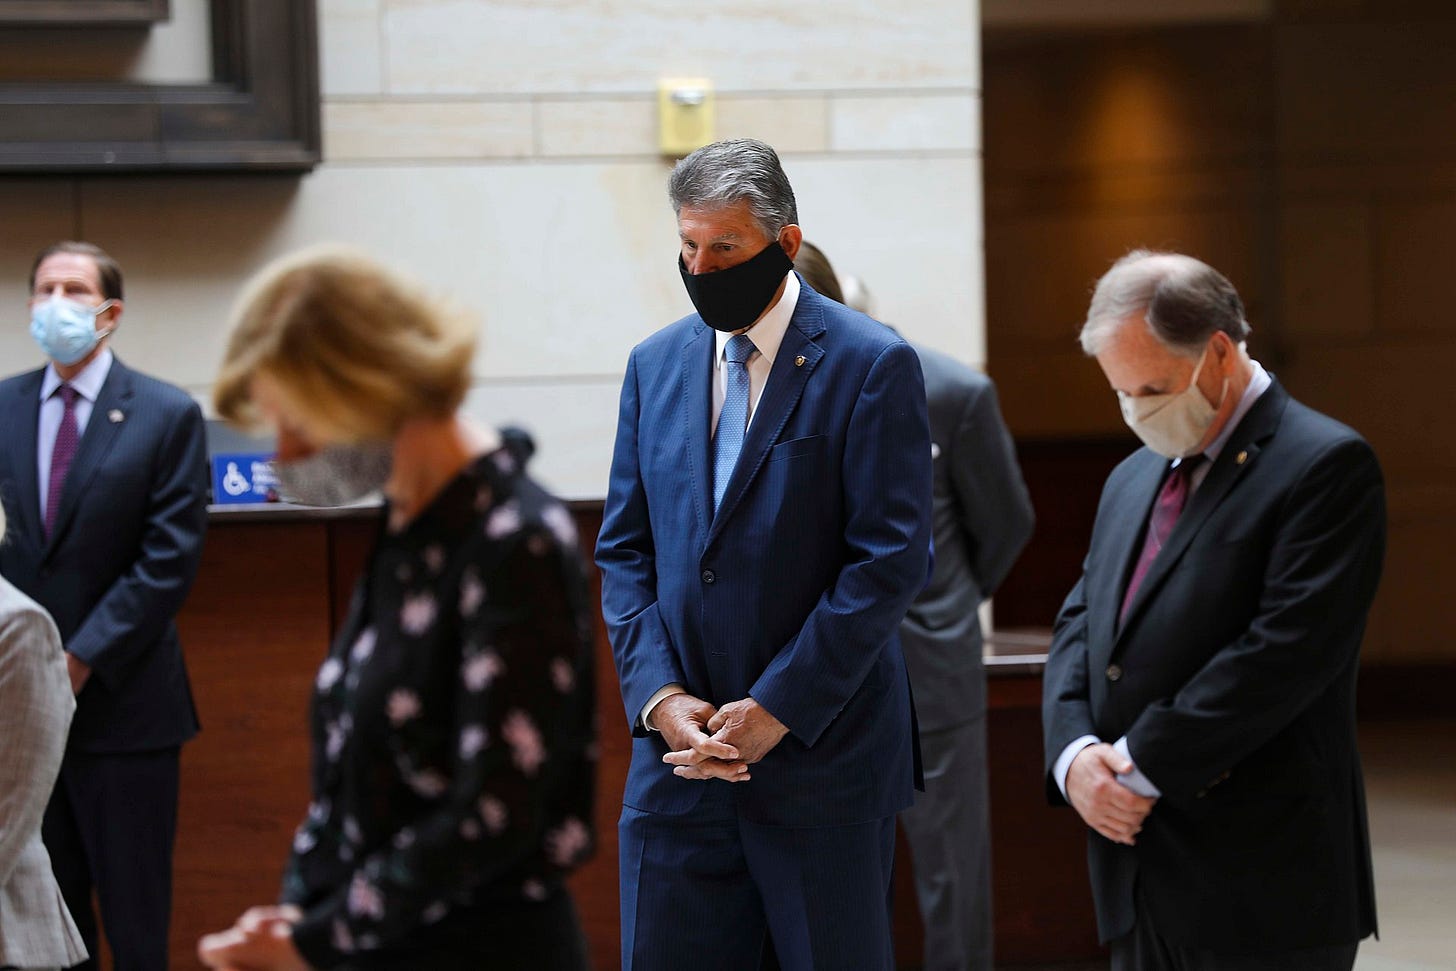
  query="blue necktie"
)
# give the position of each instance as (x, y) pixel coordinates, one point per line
(733, 420)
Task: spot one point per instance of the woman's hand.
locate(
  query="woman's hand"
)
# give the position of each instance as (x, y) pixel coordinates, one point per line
(261, 940)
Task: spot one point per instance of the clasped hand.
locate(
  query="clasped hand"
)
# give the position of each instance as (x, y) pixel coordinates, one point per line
(721, 743)
(261, 940)
(1105, 804)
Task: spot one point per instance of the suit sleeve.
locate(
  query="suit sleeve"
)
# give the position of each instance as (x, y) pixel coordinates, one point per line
(1066, 709)
(626, 555)
(35, 714)
(1321, 574)
(886, 483)
(145, 599)
(995, 508)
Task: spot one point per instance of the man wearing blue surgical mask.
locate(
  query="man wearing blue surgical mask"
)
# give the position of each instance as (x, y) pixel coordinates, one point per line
(103, 475)
(1198, 702)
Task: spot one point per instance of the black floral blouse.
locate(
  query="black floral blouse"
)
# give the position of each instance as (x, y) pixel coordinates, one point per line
(453, 731)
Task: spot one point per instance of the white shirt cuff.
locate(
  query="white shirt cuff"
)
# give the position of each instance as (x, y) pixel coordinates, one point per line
(663, 692)
(1134, 780)
(1064, 761)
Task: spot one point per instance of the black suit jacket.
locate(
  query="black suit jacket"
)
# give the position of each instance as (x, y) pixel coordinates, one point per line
(1233, 678)
(981, 517)
(126, 548)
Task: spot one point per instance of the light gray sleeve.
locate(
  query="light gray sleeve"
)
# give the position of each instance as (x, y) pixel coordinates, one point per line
(35, 715)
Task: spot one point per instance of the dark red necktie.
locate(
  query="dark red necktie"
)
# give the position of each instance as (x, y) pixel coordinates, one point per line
(66, 440)
(1172, 497)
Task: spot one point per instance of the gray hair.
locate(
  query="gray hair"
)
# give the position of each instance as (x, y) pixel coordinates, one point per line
(1184, 301)
(725, 173)
(2, 522)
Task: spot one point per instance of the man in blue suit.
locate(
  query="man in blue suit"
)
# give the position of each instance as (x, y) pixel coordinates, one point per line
(103, 474)
(766, 527)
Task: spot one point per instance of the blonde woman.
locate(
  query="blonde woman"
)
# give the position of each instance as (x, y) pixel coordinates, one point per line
(36, 930)
(452, 723)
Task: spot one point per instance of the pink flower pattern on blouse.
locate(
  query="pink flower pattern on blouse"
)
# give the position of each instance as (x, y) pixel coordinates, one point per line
(453, 724)
(527, 749)
(418, 613)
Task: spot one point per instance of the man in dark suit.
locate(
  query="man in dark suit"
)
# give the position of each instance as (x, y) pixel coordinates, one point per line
(103, 473)
(981, 518)
(766, 527)
(1199, 694)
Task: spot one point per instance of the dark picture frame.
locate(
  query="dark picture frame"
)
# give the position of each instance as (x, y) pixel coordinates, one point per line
(260, 111)
(98, 13)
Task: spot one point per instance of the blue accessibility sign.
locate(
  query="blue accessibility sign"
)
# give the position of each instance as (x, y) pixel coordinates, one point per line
(243, 477)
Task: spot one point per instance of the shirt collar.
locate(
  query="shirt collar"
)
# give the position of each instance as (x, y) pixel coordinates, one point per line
(769, 332)
(1258, 384)
(88, 383)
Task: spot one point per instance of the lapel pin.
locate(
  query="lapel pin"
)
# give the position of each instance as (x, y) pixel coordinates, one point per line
(1241, 458)
(799, 361)
(115, 416)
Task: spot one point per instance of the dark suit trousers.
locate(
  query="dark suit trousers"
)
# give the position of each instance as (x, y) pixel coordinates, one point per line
(1144, 949)
(949, 832)
(700, 891)
(110, 825)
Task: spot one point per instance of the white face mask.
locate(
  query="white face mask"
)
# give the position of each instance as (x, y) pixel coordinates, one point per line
(1174, 424)
(335, 476)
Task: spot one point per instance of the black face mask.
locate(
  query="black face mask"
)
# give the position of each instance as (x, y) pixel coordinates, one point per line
(732, 299)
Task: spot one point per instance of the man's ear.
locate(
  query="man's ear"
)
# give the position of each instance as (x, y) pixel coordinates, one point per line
(111, 315)
(1222, 349)
(791, 237)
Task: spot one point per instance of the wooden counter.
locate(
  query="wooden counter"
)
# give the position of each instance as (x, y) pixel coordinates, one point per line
(274, 583)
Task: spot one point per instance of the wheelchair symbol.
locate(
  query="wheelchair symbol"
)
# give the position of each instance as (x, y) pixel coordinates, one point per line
(234, 483)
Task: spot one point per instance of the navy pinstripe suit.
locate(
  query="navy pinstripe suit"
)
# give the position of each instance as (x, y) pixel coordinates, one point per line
(792, 595)
(126, 548)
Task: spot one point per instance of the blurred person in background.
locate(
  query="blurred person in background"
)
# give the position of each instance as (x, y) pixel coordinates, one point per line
(981, 520)
(36, 930)
(453, 730)
(103, 474)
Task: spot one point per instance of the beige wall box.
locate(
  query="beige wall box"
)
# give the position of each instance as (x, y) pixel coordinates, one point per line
(684, 114)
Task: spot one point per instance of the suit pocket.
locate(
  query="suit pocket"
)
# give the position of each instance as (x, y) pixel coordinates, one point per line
(796, 447)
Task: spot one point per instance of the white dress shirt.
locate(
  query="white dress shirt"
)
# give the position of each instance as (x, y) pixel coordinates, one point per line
(767, 334)
(88, 386)
(1258, 383)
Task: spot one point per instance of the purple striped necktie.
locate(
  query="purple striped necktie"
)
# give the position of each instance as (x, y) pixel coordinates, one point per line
(1172, 497)
(67, 438)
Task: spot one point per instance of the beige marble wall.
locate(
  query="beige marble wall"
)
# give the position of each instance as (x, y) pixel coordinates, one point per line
(505, 152)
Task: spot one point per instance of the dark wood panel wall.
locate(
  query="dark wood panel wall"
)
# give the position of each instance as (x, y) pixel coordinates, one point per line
(1311, 156)
(255, 630)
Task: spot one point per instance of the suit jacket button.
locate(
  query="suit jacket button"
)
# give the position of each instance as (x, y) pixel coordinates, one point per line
(1114, 672)
(709, 576)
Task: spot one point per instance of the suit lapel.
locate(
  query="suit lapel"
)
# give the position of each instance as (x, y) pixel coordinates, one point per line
(797, 357)
(1132, 507)
(108, 418)
(1240, 453)
(697, 384)
(26, 411)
